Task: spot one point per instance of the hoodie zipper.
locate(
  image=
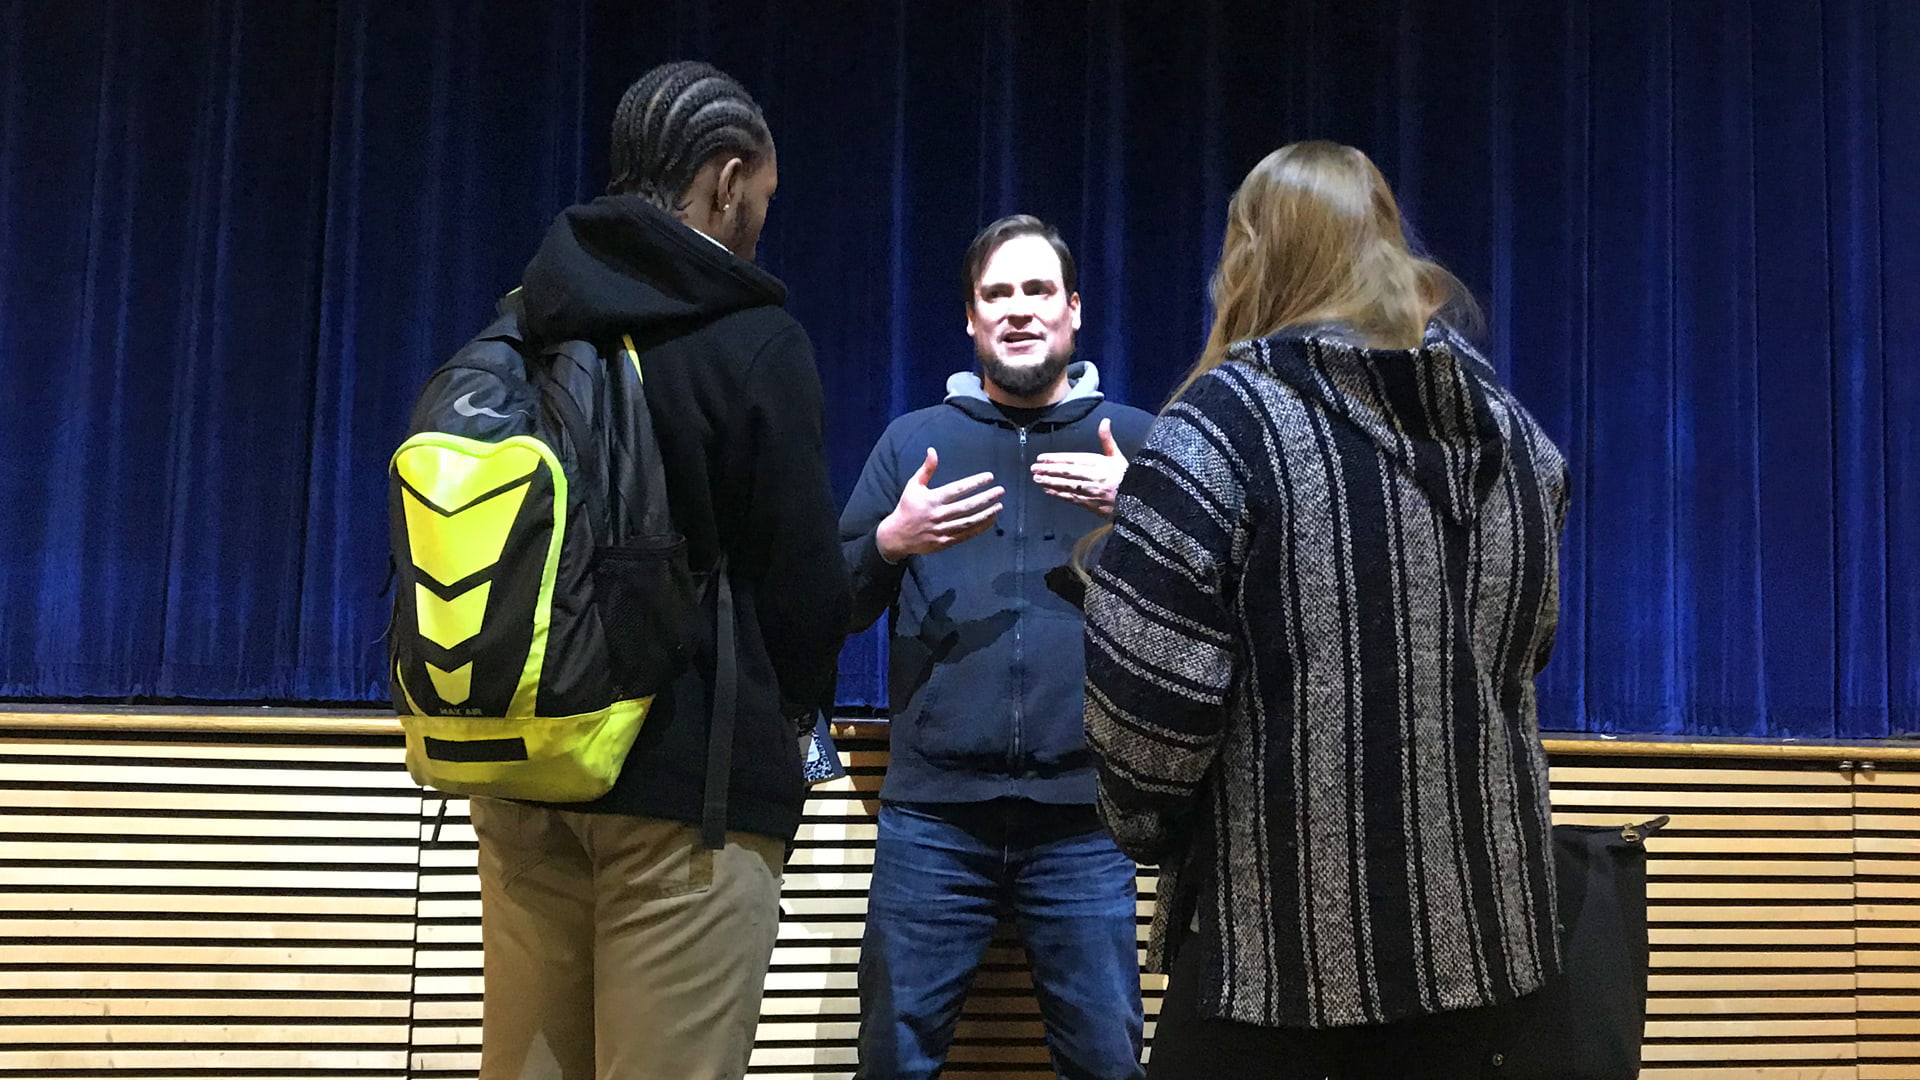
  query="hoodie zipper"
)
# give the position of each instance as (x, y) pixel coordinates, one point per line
(1019, 644)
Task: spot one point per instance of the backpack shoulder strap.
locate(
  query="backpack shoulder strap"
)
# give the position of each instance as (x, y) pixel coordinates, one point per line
(564, 373)
(726, 697)
(654, 518)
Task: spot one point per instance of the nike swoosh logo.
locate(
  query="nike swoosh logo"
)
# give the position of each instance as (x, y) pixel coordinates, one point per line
(465, 407)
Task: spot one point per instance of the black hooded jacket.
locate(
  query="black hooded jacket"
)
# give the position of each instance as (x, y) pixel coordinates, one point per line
(736, 405)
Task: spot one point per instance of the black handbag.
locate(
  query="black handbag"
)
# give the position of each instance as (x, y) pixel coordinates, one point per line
(1587, 1022)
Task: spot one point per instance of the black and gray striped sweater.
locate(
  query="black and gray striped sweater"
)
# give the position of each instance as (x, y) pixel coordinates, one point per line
(1311, 646)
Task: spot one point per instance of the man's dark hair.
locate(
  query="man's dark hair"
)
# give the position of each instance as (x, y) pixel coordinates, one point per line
(673, 120)
(1006, 229)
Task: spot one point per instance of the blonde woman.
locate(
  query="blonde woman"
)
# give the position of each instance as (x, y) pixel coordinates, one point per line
(1311, 643)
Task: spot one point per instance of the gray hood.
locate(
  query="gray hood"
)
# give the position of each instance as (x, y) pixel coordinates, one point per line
(967, 393)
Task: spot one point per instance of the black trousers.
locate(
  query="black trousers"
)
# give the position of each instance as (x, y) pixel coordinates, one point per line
(1445, 1046)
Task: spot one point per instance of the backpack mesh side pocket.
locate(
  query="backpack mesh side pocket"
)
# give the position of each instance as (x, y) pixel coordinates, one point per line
(644, 594)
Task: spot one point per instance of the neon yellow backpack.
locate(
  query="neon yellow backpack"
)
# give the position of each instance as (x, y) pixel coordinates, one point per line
(542, 597)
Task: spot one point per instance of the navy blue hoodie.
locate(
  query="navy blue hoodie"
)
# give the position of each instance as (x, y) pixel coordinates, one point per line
(985, 664)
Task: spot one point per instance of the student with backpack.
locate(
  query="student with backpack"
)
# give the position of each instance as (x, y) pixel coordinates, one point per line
(620, 599)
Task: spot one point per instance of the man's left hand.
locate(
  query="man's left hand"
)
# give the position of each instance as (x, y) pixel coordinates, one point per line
(1088, 480)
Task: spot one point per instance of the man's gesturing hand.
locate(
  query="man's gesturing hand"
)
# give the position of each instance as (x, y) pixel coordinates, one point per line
(1088, 480)
(928, 519)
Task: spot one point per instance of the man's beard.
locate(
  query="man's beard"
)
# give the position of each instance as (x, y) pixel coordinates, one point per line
(1024, 380)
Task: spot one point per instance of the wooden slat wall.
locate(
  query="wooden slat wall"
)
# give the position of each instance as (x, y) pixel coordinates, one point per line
(247, 906)
(230, 907)
(1887, 921)
(825, 900)
(446, 981)
(1750, 910)
(809, 1016)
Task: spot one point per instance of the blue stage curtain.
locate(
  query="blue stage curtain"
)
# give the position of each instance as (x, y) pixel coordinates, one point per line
(236, 235)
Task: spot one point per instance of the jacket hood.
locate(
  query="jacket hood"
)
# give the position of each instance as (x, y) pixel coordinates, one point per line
(619, 264)
(967, 393)
(1427, 408)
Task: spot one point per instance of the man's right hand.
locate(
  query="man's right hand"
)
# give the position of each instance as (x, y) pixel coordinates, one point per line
(928, 519)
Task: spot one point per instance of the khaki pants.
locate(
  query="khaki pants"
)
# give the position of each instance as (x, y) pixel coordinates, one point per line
(617, 948)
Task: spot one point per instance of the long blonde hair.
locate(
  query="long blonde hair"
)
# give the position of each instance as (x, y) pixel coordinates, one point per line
(1314, 236)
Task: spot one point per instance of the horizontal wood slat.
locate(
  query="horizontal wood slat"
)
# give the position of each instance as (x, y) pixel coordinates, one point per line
(1656, 1071)
(1750, 896)
(287, 903)
(1887, 931)
(195, 907)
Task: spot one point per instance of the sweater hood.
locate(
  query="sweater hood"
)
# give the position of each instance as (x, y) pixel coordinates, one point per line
(967, 393)
(619, 265)
(1427, 409)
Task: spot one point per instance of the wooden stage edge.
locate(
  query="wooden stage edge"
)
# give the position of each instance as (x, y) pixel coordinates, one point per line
(262, 892)
(363, 723)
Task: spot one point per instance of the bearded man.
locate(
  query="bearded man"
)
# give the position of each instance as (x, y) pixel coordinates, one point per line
(988, 805)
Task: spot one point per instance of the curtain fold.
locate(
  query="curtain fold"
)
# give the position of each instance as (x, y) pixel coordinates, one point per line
(235, 236)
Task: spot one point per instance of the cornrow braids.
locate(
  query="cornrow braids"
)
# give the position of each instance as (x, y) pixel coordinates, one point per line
(673, 120)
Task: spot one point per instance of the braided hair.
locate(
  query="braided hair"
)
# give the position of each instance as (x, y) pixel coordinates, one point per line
(673, 120)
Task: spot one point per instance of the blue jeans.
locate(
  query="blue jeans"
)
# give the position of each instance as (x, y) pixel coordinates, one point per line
(943, 877)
